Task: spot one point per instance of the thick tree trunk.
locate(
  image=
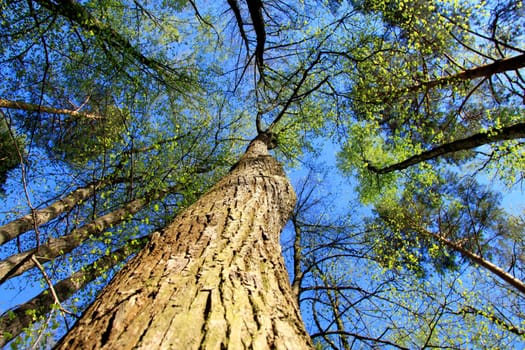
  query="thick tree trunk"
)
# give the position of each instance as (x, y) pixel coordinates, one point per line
(213, 279)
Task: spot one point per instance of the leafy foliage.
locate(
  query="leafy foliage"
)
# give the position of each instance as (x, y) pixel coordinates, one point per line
(175, 89)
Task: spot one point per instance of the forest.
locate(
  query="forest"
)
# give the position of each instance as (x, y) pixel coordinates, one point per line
(262, 174)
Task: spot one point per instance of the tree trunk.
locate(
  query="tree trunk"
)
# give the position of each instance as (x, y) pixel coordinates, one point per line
(21, 225)
(13, 322)
(498, 66)
(30, 107)
(213, 279)
(479, 260)
(19, 263)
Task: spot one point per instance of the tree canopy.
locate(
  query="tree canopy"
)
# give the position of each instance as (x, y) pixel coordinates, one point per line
(401, 124)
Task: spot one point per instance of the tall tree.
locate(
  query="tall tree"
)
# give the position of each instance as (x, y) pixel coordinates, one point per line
(213, 278)
(134, 116)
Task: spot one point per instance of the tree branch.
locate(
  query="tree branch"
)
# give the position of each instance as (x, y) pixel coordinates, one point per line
(360, 337)
(499, 66)
(512, 132)
(78, 14)
(235, 8)
(30, 107)
(496, 270)
(255, 7)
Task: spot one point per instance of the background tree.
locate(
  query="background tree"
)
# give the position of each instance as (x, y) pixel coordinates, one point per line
(130, 111)
(12, 148)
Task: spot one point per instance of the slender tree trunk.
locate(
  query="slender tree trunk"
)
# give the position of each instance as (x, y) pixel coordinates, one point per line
(479, 260)
(213, 279)
(16, 227)
(298, 272)
(499, 66)
(13, 322)
(30, 107)
(19, 263)
(335, 304)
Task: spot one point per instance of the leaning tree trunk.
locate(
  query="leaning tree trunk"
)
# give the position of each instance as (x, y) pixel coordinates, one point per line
(213, 279)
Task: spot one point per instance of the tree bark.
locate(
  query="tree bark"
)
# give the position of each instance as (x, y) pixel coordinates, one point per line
(498, 66)
(479, 260)
(213, 279)
(46, 109)
(256, 13)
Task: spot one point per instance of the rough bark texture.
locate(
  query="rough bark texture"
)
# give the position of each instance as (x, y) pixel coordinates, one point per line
(213, 279)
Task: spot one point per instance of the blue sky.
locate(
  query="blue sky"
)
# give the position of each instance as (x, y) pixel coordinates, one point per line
(342, 188)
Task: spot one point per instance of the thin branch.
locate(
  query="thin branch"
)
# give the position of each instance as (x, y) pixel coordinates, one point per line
(56, 299)
(77, 13)
(360, 337)
(23, 175)
(30, 107)
(295, 93)
(64, 289)
(199, 16)
(493, 318)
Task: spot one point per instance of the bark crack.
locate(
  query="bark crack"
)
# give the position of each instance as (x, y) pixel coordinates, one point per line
(221, 288)
(213, 278)
(206, 316)
(105, 336)
(145, 330)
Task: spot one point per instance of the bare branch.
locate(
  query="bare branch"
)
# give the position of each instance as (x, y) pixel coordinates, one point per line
(256, 7)
(235, 8)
